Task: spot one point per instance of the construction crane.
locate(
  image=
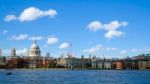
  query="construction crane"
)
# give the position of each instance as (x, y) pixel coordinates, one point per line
(69, 51)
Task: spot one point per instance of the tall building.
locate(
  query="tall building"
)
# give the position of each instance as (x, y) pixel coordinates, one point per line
(48, 54)
(0, 52)
(2, 62)
(34, 50)
(13, 52)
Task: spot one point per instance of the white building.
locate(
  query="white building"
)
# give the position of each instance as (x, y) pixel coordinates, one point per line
(34, 50)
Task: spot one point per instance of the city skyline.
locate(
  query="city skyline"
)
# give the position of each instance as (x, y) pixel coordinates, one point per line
(103, 28)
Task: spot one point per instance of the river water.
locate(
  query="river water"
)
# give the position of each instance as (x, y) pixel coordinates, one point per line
(75, 77)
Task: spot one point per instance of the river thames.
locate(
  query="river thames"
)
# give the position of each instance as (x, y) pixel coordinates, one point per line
(75, 77)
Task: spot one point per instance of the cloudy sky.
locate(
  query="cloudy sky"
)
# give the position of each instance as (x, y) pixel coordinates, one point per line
(110, 28)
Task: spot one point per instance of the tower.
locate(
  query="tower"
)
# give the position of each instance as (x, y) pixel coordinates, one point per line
(48, 54)
(0, 52)
(13, 52)
(70, 60)
(69, 52)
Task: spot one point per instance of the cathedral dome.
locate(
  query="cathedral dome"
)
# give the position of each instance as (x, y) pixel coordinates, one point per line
(34, 46)
(34, 50)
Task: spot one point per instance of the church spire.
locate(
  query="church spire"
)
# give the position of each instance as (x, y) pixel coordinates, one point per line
(13, 52)
(34, 42)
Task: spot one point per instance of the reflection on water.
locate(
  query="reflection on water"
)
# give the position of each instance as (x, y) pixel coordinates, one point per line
(75, 77)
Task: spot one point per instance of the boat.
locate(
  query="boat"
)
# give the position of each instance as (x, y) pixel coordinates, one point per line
(8, 70)
(9, 73)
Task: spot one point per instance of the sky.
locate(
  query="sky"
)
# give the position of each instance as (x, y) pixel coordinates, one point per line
(110, 28)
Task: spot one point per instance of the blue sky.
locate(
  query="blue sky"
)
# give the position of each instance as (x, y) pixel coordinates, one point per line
(110, 28)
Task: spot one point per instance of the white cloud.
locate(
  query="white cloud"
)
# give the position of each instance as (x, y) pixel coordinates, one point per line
(30, 14)
(52, 40)
(146, 49)
(123, 52)
(111, 28)
(94, 26)
(114, 25)
(134, 50)
(140, 50)
(64, 45)
(5, 31)
(110, 48)
(93, 50)
(19, 37)
(36, 38)
(9, 18)
(22, 51)
(113, 33)
(33, 13)
(124, 23)
(98, 48)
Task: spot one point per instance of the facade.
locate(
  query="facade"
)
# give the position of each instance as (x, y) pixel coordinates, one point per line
(61, 62)
(94, 62)
(142, 61)
(49, 62)
(101, 63)
(13, 62)
(130, 63)
(2, 61)
(119, 65)
(72, 63)
(144, 64)
(24, 63)
(84, 63)
(35, 60)
(107, 64)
